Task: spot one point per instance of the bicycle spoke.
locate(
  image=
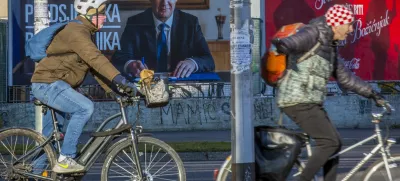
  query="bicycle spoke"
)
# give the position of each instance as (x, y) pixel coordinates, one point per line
(123, 168)
(12, 154)
(158, 161)
(15, 145)
(119, 173)
(145, 158)
(151, 161)
(155, 174)
(127, 162)
(162, 167)
(3, 160)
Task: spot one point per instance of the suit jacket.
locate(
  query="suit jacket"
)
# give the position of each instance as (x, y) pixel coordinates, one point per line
(187, 41)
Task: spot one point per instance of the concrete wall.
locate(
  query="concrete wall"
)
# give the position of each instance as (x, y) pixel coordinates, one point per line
(212, 114)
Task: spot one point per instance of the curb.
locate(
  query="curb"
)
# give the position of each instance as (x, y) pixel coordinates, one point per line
(203, 156)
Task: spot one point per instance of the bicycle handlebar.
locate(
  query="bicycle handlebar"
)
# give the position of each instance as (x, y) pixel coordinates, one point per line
(387, 109)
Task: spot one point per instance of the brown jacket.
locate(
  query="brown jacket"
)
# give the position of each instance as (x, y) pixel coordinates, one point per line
(71, 55)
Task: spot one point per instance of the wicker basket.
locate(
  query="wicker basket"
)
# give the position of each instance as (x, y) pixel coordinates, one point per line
(155, 91)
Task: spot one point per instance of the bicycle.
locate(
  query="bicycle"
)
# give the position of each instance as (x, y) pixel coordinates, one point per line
(385, 165)
(118, 154)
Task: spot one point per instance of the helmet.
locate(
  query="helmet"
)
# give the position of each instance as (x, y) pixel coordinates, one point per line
(89, 7)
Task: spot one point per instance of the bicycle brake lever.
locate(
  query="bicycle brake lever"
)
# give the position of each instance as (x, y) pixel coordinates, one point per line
(388, 108)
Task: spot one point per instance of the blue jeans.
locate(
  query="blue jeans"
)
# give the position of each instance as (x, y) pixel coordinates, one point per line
(64, 99)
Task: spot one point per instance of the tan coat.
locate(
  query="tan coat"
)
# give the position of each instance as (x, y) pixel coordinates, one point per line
(71, 55)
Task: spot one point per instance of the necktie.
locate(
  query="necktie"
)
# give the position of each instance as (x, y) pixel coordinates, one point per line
(162, 49)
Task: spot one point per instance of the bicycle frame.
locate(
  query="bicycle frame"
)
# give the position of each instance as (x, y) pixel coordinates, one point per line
(379, 147)
(94, 147)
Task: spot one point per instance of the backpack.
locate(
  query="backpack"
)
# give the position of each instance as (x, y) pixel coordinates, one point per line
(36, 47)
(274, 64)
(276, 151)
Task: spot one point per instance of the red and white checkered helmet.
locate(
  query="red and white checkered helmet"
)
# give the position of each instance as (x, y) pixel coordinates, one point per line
(339, 15)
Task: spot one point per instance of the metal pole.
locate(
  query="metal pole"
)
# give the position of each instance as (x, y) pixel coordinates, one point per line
(41, 22)
(243, 167)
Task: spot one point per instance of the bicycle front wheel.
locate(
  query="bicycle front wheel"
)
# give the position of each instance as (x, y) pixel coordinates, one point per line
(378, 171)
(158, 161)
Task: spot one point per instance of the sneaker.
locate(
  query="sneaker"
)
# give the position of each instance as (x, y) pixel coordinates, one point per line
(68, 165)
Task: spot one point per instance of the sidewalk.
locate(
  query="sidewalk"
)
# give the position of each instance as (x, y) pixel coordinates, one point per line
(349, 136)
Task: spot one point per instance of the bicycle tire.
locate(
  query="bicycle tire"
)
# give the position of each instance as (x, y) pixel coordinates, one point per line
(377, 165)
(38, 138)
(226, 167)
(142, 139)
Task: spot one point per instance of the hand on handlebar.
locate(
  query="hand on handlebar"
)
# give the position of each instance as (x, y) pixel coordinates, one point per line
(124, 86)
(382, 102)
(379, 99)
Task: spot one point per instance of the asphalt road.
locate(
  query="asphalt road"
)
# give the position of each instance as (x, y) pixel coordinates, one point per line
(203, 170)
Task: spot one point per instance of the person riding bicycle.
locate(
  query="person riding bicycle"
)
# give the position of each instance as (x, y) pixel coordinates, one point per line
(301, 92)
(71, 55)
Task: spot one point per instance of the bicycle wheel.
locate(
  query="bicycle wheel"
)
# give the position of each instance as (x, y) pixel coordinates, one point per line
(225, 173)
(120, 165)
(17, 142)
(377, 171)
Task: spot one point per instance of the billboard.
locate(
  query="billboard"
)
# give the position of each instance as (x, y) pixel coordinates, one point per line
(21, 18)
(372, 51)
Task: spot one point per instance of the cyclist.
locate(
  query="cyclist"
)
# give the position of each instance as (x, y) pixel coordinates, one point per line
(71, 55)
(302, 92)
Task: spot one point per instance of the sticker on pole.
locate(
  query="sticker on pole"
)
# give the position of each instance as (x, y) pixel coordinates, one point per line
(240, 50)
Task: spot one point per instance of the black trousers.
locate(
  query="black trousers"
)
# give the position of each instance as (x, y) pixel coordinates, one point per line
(314, 121)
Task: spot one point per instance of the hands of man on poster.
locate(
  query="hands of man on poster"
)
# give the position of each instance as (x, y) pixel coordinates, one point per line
(184, 68)
(135, 67)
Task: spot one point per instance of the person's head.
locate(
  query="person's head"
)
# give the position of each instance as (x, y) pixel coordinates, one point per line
(163, 9)
(340, 19)
(92, 10)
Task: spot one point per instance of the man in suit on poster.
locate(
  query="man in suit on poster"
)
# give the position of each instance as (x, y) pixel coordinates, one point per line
(163, 39)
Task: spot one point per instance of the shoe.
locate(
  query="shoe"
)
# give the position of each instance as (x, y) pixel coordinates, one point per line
(68, 165)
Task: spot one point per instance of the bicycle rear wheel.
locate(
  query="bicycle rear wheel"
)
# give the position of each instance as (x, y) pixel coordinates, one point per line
(120, 165)
(377, 171)
(18, 142)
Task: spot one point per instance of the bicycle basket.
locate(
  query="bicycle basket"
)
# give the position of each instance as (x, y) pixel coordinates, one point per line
(155, 91)
(276, 150)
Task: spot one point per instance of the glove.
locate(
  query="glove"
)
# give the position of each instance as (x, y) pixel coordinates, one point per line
(125, 86)
(378, 98)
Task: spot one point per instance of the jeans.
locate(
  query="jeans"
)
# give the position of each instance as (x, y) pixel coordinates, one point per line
(63, 98)
(314, 121)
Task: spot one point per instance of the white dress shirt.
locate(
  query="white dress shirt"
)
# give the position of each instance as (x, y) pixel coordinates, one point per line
(167, 31)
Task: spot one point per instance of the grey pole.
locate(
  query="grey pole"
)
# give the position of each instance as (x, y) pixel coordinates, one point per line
(243, 167)
(41, 22)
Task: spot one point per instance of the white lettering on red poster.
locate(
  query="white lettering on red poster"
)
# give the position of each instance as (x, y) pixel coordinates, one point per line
(371, 27)
(353, 64)
(358, 9)
(320, 3)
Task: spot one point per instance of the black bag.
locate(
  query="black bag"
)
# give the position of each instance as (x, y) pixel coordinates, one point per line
(276, 150)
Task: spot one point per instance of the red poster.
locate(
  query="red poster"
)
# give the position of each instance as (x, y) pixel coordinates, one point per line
(371, 52)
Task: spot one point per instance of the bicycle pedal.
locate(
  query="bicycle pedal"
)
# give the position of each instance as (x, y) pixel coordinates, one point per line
(79, 174)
